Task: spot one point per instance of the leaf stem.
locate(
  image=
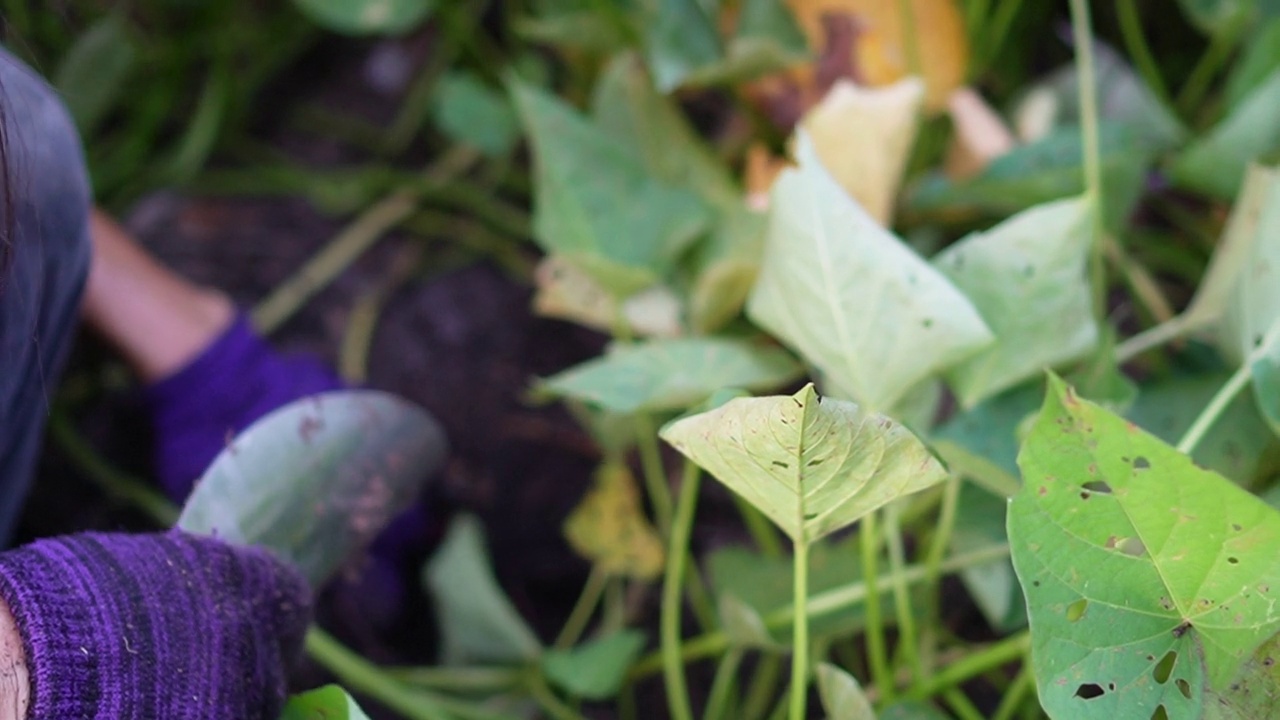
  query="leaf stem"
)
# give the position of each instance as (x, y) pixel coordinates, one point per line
(800, 634)
(1152, 337)
(973, 664)
(1136, 43)
(672, 594)
(655, 474)
(868, 543)
(909, 641)
(583, 609)
(1232, 387)
(1016, 693)
(1087, 85)
(550, 704)
(943, 529)
(112, 480)
(761, 687)
(722, 685)
(960, 704)
(1220, 47)
(834, 600)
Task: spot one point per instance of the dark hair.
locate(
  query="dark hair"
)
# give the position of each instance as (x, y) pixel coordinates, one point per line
(6, 195)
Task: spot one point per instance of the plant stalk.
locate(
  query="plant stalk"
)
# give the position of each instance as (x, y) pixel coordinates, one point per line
(868, 543)
(673, 592)
(1087, 85)
(800, 634)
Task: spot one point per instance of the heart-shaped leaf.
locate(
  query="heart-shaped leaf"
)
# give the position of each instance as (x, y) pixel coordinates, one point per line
(673, 374)
(1148, 580)
(855, 301)
(597, 669)
(319, 478)
(1027, 277)
(596, 203)
(812, 465)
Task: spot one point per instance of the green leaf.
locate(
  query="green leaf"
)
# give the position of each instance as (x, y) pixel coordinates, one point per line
(1148, 579)
(93, 73)
(327, 703)
(469, 111)
(1260, 58)
(1254, 692)
(659, 375)
(578, 25)
(980, 523)
(680, 39)
(318, 479)
(854, 300)
(1266, 384)
(1215, 164)
(767, 39)
(813, 466)
(1215, 16)
(842, 696)
(597, 205)
(1047, 169)
(726, 267)
(597, 669)
(1027, 277)
(1241, 282)
(744, 625)
(367, 17)
(912, 710)
(477, 622)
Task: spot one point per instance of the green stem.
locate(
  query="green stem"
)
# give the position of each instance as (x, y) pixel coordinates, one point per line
(961, 705)
(550, 704)
(673, 591)
(1016, 693)
(1220, 48)
(583, 609)
(1136, 43)
(909, 643)
(869, 544)
(821, 604)
(973, 664)
(933, 567)
(116, 483)
(761, 687)
(800, 635)
(1153, 337)
(459, 679)
(722, 685)
(993, 40)
(1237, 382)
(1087, 84)
(655, 475)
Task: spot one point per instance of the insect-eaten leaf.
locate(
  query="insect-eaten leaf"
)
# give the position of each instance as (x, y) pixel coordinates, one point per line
(609, 527)
(1254, 692)
(367, 17)
(327, 703)
(1027, 278)
(597, 205)
(812, 466)
(477, 622)
(1149, 580)
(852, 298)
(842, 696)
(594, 670)
(863, 136)
(1216, 162)
(317, 480)
(674, 374)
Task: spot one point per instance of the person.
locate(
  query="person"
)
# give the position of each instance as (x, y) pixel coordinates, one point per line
(112, 625)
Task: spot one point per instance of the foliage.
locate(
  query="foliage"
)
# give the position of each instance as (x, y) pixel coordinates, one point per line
(851, 336)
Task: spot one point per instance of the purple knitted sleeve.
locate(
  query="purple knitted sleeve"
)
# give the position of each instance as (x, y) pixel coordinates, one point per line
(173, 626)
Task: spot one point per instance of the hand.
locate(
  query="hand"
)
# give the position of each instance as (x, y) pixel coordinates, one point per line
(134, 627)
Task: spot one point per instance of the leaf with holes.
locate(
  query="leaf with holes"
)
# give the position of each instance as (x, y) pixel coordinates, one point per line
(672, 374)
(874, 317)
(1254, 692)
(1027, 277)
(1149, 581)
(812, 465)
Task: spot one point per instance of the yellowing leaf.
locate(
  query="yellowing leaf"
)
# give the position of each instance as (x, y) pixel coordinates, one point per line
(866, 41)
(567, 293)
(856, 302)
(863, 137)
(609, 528)
(813, 466)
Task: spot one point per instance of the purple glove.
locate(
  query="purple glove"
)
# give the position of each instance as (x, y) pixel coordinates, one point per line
(168, 625)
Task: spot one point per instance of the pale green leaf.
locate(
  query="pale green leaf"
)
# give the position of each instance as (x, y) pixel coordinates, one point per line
(597, 205)
(1243, 280)
(477, 621)
(327, 703)
(596, 669)
(471, 112)
(855, 301)
(1148, 579)
(743, 625)
(92, 74)
(680, 38)
(1260, 58)
(842, 696)
(673, 374)
(726, 266)
(317, 480)
(1216, 163)
(1027, 277)
(367, 17)
(812, 466)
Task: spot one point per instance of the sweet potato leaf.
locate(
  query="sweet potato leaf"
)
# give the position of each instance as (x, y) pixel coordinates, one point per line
(1149, 581)
(812, 465)
(327, 703)
(672, 374)
(594, 670)
(856, 302)
(1027, 278)
(1215, 163)
(842, 696)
